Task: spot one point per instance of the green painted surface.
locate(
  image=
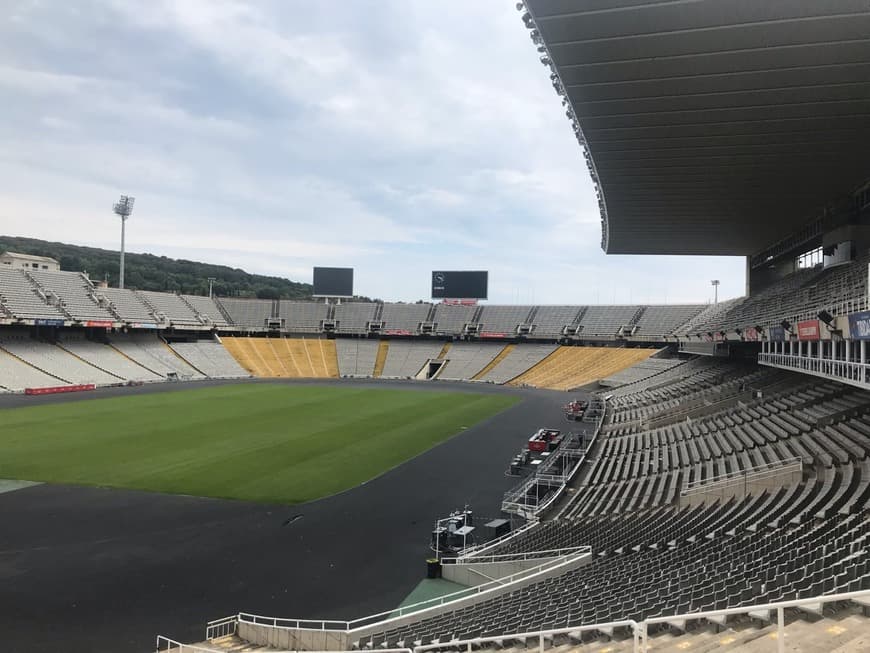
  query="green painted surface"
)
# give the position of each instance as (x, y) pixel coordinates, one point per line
(269, 443)
(431, 588)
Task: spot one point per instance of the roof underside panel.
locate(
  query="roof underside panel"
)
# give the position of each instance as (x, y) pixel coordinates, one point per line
(715, 126)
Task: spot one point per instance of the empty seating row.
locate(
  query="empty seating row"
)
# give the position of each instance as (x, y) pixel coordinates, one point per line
(356, 357)
(210, 358)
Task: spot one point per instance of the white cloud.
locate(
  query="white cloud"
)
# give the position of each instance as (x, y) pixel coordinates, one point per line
(277, 135)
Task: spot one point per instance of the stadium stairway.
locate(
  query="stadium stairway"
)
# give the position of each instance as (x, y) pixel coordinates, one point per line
(381, 359)
(226, 644)
(495, 361)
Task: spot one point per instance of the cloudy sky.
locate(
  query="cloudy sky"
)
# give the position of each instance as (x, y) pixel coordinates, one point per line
(393, 136)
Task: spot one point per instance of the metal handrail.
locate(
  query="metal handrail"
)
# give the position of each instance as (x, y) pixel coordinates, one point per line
(779, 606)
(174, 646)
(475, 550)
(742, 476)
(519, 557)
(387, 615)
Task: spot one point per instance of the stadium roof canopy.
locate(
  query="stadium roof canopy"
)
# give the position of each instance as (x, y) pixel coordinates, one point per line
(713, 126)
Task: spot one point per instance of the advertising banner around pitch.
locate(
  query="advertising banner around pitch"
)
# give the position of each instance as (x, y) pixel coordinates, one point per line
(859, 325)
(777, 334)
(808, 330)
(750, 334)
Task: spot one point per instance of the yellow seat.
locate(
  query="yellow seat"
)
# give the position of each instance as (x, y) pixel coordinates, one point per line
(570, 367)
(292, 358)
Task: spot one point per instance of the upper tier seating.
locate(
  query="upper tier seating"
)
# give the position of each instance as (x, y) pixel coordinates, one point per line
(128, 305)
(76, 294)
(522, 358)
(303, 317)
(708, 319)
(108, 359)
(151, 352)
(551, 320)
(210, 358)
(404, 317)
(21, 298)
(450, 319)
(172, 306)
(800, 295)
(466, 359)
(503, 319)
(207, 309)
(354, 317)
(405, 358)
(664, 320)
(606, 320)
(356, 357)
(251, 313)
(571, 367)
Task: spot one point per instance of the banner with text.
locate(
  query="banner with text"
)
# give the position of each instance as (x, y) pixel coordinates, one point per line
(808, 330)
(859, 325)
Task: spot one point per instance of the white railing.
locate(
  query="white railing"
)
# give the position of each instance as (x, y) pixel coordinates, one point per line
(480, 548)
(516, 501)
(743, 477)
(848, 372)
(222, 627)
(517, 557)
(173, 646)
(779, 606)
(640, 629)
(498, 585)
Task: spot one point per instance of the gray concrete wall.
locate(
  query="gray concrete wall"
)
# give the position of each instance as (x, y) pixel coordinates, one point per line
(294, 639)
(480, 573)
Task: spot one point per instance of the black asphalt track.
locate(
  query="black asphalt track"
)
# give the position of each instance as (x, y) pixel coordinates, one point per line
(101, 570)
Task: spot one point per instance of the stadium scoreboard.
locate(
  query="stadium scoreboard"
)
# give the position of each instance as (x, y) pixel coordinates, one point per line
(333, 282)
(456, 284)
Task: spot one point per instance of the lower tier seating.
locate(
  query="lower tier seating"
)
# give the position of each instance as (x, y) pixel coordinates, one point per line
(571, 367)
(285, 357)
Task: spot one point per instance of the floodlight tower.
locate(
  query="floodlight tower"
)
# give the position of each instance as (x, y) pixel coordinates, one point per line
(715, 284)
(123, 208)
(211, 281)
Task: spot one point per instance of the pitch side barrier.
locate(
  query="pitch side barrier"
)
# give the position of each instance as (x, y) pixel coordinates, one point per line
(338, 635)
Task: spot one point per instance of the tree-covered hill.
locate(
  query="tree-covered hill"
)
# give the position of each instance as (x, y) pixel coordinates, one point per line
(150, 272)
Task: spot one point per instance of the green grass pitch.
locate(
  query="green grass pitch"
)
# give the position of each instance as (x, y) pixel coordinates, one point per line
(269, 443)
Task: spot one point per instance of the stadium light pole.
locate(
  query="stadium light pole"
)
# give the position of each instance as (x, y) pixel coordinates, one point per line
(715, 284)
(123, 208)
(211, 281)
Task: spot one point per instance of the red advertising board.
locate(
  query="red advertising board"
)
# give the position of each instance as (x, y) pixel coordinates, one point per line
(751, 334)
(808, 330)
(99, 323)
(492, 334)
(58, 389)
